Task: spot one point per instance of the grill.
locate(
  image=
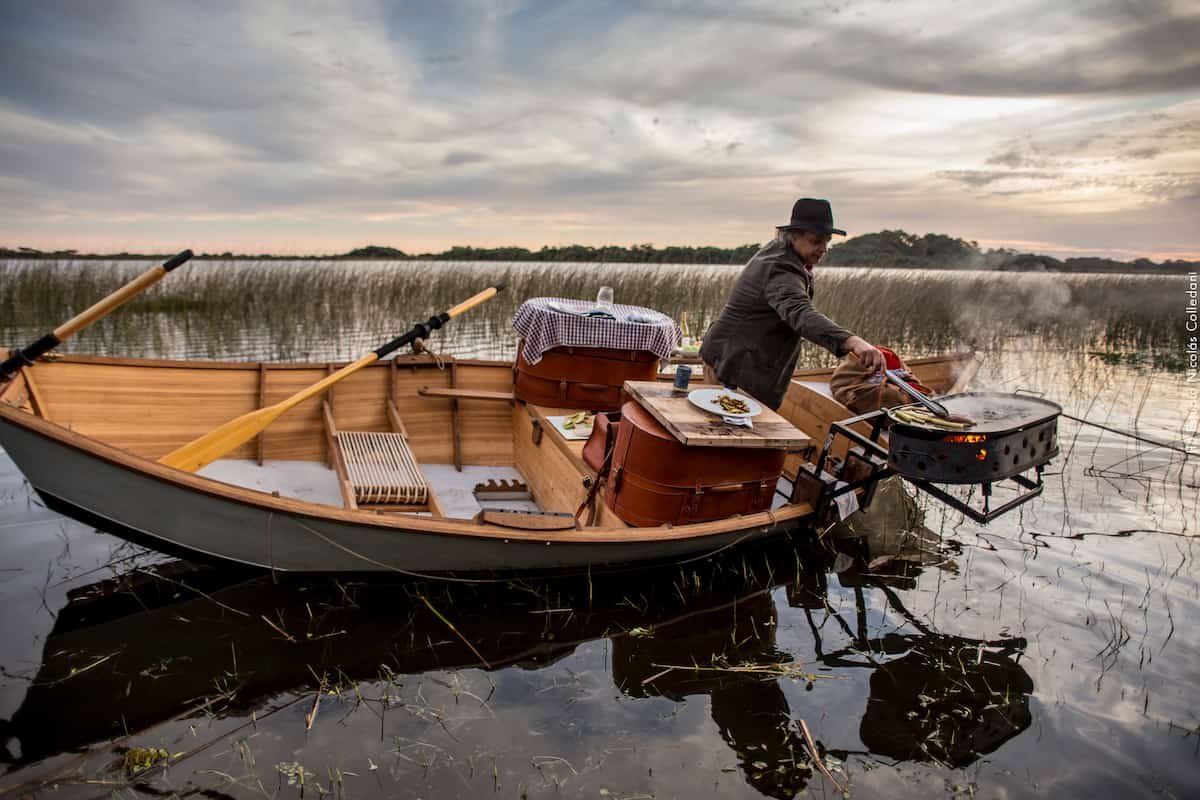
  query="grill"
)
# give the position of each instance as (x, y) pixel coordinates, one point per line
(1012, 434)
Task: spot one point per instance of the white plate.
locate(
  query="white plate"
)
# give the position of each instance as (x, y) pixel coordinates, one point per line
(707, 399)
(578, 432)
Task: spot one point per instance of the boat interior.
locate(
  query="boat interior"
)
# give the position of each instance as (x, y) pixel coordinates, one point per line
(413, 434)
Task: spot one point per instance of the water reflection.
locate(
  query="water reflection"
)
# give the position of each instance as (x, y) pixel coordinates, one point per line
(183, 641)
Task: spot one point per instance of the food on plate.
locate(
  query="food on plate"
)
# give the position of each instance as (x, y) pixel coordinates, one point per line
(732, 405)
(579, 418)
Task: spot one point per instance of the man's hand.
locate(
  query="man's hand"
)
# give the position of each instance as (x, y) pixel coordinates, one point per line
(866, 353)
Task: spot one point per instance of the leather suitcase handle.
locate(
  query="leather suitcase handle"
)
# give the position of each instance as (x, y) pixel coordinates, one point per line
(726, 487)
(564, 386)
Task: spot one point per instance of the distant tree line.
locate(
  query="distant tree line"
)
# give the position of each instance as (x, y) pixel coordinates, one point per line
(896, 249)
(638, 254)
(938, 251)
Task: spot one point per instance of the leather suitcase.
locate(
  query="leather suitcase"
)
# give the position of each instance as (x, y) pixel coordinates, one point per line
(601, 440)
(655, 480)
(588, 378)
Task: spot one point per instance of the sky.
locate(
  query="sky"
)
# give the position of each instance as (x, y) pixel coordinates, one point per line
(1067, 128)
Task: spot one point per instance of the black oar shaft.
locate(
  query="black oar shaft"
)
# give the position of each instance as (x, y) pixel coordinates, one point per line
(422, 329)
(419, 331)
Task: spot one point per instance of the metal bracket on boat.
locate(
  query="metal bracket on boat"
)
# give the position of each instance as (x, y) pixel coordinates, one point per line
(1033, 489)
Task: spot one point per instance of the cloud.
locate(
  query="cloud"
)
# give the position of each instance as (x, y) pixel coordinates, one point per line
(601, 121)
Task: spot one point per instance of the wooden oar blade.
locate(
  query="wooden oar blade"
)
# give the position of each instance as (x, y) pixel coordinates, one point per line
(208, 448)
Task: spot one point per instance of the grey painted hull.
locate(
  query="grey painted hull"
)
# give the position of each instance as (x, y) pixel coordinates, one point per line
(205, 517)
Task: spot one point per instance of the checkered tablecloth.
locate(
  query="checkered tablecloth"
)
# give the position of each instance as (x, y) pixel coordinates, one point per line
(543, 327)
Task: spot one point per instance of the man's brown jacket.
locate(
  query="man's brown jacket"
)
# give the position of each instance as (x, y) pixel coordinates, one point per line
(755, 342)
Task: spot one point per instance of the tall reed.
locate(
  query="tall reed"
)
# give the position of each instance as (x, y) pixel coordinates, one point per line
(279, 310)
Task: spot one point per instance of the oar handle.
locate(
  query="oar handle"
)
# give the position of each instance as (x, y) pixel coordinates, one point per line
(422, 329)
(177, 260)
(471, 302)
(120, 296)
(25, 357)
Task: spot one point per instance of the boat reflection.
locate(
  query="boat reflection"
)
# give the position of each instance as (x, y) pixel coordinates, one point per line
(130, 653)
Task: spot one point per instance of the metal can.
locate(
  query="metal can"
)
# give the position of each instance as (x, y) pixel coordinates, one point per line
(683, 373)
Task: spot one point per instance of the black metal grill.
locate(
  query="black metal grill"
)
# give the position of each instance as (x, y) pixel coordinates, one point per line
(1012, 434)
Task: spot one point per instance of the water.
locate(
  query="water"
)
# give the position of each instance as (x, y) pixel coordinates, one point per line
(1051, 652)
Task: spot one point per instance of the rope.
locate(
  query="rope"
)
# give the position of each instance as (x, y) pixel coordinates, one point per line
(588, 571)
(418, 347)
(1145, 439)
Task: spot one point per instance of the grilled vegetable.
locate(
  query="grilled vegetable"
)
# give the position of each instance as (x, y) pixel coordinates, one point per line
(919, 416)
(732, 405)
(578, 418)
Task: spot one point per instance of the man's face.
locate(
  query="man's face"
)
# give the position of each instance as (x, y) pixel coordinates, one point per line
(810, 246)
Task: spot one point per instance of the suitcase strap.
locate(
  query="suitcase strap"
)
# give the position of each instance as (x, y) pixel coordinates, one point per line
(589, 502)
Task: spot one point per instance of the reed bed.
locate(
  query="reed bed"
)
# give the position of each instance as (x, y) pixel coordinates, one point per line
(325, 310)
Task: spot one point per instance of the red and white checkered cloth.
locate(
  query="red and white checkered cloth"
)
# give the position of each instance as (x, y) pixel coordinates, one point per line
(542, 327)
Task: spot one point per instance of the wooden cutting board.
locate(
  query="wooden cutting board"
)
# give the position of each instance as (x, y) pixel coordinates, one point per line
(696, 427)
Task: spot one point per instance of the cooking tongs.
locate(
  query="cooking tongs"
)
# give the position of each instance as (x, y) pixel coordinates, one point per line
(932, 405)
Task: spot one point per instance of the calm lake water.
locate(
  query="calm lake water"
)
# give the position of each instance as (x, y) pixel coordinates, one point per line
(1051, 652)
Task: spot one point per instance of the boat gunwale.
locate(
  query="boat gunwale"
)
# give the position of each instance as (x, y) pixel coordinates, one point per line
(166, 363)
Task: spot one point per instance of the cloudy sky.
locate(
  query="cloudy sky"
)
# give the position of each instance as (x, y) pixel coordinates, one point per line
(1068, 127)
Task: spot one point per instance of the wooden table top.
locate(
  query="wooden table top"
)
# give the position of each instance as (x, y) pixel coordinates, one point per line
(696, 427)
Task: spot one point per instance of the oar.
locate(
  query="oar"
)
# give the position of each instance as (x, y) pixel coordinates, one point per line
(214, 444)
(26, 357)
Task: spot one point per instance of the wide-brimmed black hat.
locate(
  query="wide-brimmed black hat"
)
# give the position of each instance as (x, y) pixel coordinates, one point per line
(812, 214)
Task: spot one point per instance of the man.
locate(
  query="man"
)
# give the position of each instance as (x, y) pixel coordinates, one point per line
(755, 342)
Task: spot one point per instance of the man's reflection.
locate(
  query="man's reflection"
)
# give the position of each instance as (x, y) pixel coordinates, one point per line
(946, 699)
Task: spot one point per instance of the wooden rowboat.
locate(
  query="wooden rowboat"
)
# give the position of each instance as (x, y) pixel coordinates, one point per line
(88, 432)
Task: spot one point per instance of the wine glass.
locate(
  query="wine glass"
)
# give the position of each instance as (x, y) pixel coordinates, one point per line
(604, 299)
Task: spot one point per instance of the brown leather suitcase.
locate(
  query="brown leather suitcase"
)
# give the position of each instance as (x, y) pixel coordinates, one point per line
(587, 378)
(601, 440)
(653, 479)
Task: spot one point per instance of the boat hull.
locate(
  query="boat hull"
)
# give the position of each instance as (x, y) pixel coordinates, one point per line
(211, 523)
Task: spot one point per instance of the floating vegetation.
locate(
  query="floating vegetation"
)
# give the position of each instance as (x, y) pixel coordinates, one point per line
(140, 759)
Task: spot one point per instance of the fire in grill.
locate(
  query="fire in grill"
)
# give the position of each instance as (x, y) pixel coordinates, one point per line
(1012, 434)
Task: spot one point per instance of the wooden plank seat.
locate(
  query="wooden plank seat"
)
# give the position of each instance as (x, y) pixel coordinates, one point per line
(465, 394)
(381, 469)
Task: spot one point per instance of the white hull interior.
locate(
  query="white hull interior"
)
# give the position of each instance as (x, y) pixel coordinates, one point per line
(314, 482)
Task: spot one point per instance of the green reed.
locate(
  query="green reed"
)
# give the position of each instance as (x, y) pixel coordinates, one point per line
(329, 310)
